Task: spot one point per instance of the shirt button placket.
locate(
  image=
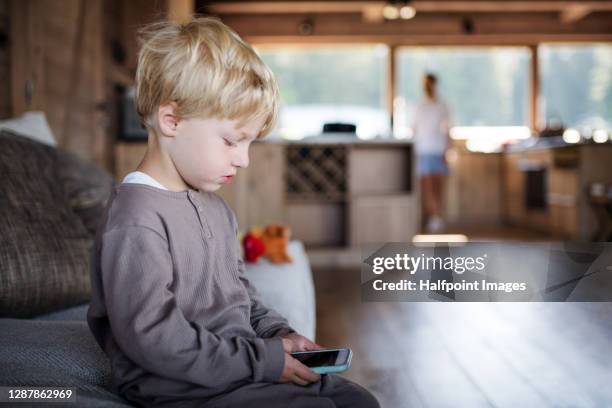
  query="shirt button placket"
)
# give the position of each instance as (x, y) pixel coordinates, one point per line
(201, 216)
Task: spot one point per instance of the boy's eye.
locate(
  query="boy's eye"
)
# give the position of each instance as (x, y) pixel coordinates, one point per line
(229, 142)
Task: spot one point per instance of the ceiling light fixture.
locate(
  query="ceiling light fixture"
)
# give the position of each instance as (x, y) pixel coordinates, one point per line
(396, 9)
(390, 12)
(600, 136)
(407, 12)
(571, 136)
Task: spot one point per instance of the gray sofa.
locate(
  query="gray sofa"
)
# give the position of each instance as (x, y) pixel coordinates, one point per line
(50, 202)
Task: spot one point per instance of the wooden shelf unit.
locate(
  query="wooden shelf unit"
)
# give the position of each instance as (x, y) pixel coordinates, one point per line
(344, 195)
(331, 195)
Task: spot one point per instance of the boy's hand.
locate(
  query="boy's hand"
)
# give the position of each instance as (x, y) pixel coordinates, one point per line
(297, 372)
(295, 342)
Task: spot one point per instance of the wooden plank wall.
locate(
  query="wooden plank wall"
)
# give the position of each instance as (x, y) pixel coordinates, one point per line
(5, 68)
(122, 20)
(137, 13)
(58, 60)
(57, 67)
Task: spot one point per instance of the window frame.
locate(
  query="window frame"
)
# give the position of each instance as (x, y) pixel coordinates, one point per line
(534, 74)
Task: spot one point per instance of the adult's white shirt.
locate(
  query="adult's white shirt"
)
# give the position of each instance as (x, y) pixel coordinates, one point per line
(430, 125)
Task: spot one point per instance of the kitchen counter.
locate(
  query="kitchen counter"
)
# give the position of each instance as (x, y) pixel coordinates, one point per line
(338, 139)
(538, 186)
(556, 142)
(546, 187)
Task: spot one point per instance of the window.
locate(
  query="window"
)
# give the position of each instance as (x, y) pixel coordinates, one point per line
(482, 86)
(326, 84)
(576, 86)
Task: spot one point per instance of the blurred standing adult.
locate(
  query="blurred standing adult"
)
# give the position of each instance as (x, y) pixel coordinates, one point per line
(431, 126)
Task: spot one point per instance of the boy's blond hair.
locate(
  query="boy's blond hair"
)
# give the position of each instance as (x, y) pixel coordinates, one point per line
(207, 70)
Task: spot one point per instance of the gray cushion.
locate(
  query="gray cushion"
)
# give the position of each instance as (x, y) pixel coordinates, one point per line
(87, 186)
(44, 246)
(78, 313)
(56, 354)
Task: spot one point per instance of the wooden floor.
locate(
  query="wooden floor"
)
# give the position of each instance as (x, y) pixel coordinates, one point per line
(499, 233)
(469, 354)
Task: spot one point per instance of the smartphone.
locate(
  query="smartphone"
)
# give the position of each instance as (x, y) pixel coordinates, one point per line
(325, 361)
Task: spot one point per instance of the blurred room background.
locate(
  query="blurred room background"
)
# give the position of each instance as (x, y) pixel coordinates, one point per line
(529, 87)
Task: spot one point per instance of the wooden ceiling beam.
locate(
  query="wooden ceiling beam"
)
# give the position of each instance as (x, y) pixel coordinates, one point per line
(572, 8)
(509, 6)
(283, 7)
(575, 13)
(424, 24)
(429, 40)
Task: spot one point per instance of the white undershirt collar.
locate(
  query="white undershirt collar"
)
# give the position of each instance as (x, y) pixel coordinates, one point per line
(138, 177)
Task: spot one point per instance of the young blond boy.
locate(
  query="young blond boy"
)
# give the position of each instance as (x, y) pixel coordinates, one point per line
(170, 304)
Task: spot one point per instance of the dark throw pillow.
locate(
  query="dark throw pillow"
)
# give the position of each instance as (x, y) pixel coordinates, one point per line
(44, 245)
(87, 186)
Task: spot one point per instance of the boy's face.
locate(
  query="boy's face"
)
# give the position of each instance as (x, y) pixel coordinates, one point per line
(207, 153)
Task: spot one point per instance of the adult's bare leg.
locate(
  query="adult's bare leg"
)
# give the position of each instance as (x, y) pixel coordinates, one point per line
(438, 183)
(426, 198)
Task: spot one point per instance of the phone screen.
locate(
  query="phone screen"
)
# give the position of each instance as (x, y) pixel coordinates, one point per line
(319, 358)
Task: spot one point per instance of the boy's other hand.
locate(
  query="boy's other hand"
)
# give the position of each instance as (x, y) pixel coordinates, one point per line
(296, 342)
(297, 373)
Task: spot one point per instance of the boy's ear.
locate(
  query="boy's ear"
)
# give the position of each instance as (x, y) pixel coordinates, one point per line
(167, 119)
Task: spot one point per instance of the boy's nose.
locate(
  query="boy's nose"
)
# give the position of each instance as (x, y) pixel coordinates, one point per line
(241, 159)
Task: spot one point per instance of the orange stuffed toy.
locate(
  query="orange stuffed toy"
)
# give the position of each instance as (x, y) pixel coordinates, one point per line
(275, 238)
